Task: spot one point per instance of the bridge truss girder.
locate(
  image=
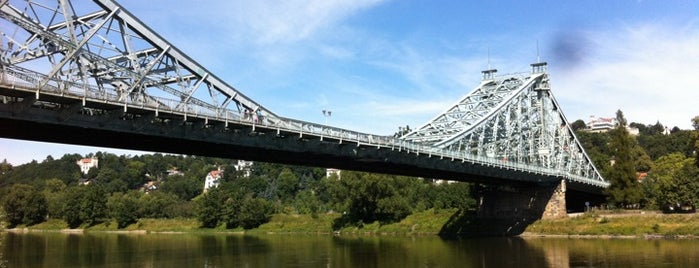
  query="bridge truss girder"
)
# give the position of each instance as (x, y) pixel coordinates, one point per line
(104, 49)
(512, 118)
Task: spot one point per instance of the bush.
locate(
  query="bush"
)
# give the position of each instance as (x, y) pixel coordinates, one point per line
(254, 212)
(24, 204)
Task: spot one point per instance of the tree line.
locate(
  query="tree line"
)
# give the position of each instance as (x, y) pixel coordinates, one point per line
(37, 191)
(652, 170)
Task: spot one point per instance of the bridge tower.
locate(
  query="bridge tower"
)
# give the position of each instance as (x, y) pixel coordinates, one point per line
(514, 119)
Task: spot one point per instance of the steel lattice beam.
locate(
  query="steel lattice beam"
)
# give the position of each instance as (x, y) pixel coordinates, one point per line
(101, 44)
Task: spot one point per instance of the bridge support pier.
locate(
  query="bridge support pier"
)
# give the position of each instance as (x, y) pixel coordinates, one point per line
(510, 209)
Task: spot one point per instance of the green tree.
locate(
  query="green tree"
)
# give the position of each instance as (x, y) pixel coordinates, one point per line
(5, 167)
(54, 191)
(135, 173)
(287, 185)
(184, 187)
(72, 206)
(210, 207)
(624, 190)
(123, 208)
(454, 195)
(578, 125)
(371, 197)
(254, 212)
(93, 206)
(156, 204)
(24, 204)
(306, 202)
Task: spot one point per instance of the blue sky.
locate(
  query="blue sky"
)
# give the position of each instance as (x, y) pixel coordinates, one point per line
(382, 64)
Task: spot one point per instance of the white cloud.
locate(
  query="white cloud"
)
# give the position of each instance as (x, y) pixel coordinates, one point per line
(650, 72)
(294, 20)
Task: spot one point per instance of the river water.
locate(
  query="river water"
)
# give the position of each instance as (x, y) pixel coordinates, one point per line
(51, 249)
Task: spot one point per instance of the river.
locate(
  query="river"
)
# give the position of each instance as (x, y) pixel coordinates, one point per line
(53, 249)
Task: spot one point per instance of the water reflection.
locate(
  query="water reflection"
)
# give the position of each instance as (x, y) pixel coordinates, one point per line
(618, 252)
(219, 250)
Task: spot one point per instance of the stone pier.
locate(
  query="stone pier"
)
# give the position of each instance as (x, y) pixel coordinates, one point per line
(508, 210)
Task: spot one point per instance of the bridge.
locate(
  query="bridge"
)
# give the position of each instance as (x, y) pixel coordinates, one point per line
(91, 73)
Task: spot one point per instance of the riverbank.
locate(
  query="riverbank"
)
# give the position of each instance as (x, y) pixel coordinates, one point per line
(625, 224)
(636, 224)
(429, 222)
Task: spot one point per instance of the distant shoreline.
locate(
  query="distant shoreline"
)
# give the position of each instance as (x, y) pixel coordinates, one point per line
(596, 225)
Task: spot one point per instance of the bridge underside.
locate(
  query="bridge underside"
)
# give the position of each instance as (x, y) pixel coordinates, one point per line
(63, 120)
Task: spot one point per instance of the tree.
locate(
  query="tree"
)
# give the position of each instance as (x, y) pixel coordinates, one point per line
(93, 206)
(71, 206)
(578, 125)
(287, 185)
(455, 195)
(156, 204)
(123, 208)
(254, 212)
(24, 204)
(624, 189)
(54, 190)
(371, 197)
(672, 180)
(5, 167)
(210, 207)
(184, 187)
(306, 202)
(135, 173)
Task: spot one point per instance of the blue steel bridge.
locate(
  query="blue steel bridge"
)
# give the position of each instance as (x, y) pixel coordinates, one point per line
(91, 73)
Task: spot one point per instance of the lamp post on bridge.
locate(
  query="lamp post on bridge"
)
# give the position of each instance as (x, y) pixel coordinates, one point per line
(326, 114)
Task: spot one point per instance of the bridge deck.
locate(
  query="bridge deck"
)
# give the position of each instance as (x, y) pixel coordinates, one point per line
(67, 116)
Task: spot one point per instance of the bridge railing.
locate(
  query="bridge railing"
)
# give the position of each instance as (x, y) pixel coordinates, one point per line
(28, 80)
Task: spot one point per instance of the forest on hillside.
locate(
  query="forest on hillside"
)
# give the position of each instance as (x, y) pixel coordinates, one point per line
(648, 170)
(119, 189)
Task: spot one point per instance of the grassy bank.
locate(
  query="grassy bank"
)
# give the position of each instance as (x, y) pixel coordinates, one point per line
(620, 224)
(427, 222)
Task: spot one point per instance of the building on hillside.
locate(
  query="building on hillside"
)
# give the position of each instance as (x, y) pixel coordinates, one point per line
(440, 181)
(150, 186)
(86, 164)
(601, 124)
(641, 176)
(332, 171)
(213, 179)
(244, 167)
(174, 172)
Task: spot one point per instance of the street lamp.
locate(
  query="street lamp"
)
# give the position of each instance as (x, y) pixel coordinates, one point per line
(327, 113)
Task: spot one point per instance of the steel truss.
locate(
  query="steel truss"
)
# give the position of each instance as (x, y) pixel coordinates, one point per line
(108, 51)
(512, 118)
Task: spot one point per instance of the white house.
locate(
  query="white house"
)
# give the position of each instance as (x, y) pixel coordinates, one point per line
(86, 164)
(600, 124)
(213, 179)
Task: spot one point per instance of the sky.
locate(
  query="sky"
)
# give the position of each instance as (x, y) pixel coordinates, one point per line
(381, 64)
